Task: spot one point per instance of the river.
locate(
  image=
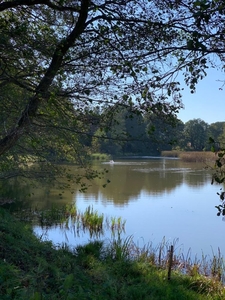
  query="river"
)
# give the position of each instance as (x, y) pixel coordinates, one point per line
(160, 198)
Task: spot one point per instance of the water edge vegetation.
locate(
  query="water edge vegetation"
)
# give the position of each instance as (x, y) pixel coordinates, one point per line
(33, 268)
(191, 156)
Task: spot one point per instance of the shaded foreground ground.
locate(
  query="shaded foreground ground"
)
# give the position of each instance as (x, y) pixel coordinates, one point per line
(35, 269)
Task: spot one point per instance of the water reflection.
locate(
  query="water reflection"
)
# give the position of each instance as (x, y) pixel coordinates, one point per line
(156, 197)
(128, 180)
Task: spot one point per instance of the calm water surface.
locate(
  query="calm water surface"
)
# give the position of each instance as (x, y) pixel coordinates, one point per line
(157, 197)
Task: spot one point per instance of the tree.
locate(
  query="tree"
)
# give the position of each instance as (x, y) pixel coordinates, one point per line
(217, 132)
(61, 59)
(127, 134)
(110, 139)
(136, 134)
(162, 135)
(196, 134)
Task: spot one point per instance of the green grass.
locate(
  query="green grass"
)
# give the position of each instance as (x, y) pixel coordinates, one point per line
(33, 269)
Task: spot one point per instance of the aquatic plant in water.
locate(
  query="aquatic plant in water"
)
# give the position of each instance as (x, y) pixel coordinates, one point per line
(67, 217)
(92, 220)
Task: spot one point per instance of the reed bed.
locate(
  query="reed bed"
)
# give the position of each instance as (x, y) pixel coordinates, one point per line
(92, 220)
(173, 153)
(195, 156)
(192, 156)
(211, 267)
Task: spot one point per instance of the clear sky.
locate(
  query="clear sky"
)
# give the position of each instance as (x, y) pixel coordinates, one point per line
(208, 102)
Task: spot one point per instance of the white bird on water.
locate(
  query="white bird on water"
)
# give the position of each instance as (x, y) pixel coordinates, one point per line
(111, 162)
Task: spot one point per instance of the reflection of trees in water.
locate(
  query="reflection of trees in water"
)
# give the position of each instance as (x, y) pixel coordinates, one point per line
(44, 196)
(26, 193)
(197, 178)
(12, 190)
(123, 185)
(154, 177)
(127, 181)
(155, 183)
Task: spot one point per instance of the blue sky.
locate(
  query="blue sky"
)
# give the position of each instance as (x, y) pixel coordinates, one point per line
(208, 102)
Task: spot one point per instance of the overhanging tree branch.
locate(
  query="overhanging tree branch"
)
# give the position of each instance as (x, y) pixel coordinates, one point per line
(42, 90)
(89, 57)
(12, 4)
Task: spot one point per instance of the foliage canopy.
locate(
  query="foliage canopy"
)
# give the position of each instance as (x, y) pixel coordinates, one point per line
(62, 61)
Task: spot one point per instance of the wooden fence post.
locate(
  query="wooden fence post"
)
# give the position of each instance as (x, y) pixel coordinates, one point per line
(170, 261)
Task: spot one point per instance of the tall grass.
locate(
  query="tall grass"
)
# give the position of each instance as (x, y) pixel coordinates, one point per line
(92, 220)
(173, 153)
(197, 156)
(158, 256)
(120, 249)
(116, 224)
(31, 268)
(191, 156)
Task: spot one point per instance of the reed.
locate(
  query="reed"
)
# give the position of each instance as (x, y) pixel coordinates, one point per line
(68, 217)
(191, 156)
(158, 256)
(195, 156)
(119, 249)
(116, 224)
(92, 220)
(53, 216)
(173, 153)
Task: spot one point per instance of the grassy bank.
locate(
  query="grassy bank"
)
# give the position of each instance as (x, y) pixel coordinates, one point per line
(191, 156)
(35, 269)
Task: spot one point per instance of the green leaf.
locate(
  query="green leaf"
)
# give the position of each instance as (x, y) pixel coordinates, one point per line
(68, 283)
(211, 140)
(36, 296)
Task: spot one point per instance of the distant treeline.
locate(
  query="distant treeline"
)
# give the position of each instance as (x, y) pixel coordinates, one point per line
(133, 133)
